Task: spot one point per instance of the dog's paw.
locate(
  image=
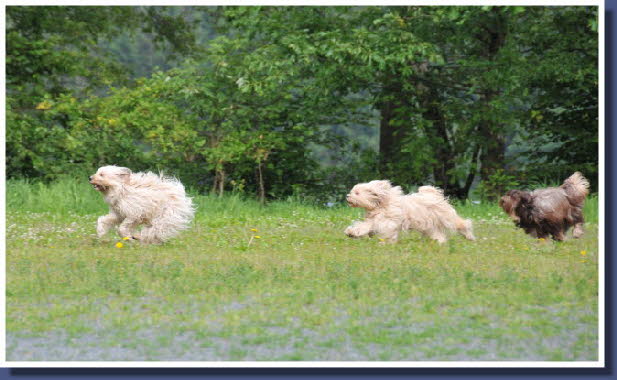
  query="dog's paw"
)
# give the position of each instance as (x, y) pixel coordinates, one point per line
(133, 237)
(351, 232)
(100, 233)
(578, 232)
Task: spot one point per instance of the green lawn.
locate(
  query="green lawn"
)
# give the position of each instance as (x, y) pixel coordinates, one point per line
(301, 291)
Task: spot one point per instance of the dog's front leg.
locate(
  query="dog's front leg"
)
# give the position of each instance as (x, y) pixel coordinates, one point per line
(359, 229)
(105, 222)
(126, 228)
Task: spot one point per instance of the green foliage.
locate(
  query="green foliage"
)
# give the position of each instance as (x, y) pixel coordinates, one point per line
(54, 60)
(496, 185)
(269, 99)
(452, 84)
(562, 69)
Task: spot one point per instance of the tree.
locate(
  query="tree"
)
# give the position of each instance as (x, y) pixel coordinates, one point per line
(54, 50)
(561, 121)
(504, 95)
(451, 84)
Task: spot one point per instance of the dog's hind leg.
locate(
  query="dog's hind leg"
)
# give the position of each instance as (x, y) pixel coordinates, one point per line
(165, 226)
(127, 227)
(438, 235)
(556, 230)
(105, 222)
(465, 228)
(531, 232)
(578, 230)
(389, 233)
(159, 230)
(387, 230)
(149, 236)
(558, 235)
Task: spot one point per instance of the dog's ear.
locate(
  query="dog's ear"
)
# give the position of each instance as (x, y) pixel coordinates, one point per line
(382, 186)
(380, 189)
(124, 174)
(526, 199)
(524, 209)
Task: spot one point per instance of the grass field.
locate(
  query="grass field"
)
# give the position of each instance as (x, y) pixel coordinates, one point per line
(282, 282)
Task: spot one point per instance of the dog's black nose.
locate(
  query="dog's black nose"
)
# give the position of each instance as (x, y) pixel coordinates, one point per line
(90, 178)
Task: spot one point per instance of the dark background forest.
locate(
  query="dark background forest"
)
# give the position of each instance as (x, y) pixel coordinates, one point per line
(275, 102)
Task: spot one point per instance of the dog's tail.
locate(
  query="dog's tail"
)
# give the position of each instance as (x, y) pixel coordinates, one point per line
(435, 194)
(576, 188)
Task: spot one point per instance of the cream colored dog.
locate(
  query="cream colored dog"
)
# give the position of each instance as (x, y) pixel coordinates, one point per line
(389, 211)
(154, 201)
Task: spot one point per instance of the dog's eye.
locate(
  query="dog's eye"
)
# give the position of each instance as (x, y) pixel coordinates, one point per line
(357, 192)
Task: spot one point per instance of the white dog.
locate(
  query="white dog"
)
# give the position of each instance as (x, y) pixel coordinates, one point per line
(389, 211)
(157, 202)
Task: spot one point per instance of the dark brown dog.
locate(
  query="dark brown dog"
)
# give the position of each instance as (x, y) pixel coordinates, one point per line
(550, 211)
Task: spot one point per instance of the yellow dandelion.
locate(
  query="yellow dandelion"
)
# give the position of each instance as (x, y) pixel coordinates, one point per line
(380, 239)
(257, 237)
(583, 252)
(254, 229)
(541, 239)
(126, 238)
(119, 245)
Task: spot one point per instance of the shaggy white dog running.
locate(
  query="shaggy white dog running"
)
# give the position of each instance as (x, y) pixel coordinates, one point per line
(157, 202)
(389, 211)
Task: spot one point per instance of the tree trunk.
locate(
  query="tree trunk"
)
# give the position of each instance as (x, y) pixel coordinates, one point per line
(442, 169)
(387, 138)
(219, 182)
(215, 185)
(390, 134)
(494, 146)
(260, 180)
(475, 156)
(444, 150)
(493, 157)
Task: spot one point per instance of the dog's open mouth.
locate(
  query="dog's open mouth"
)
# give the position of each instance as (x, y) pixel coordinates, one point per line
(98, 187)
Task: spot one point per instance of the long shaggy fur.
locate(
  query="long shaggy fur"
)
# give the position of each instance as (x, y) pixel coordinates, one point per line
(389, 211)
(155, 201)
(551, 211)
